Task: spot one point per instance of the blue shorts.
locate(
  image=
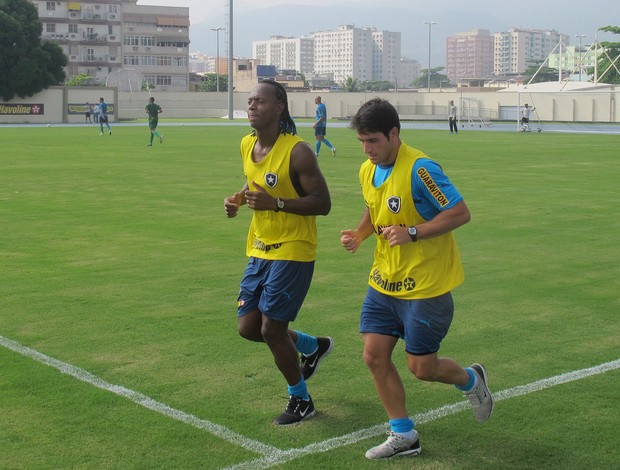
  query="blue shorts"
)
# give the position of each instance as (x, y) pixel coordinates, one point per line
(320, 130)
(422, 323)
(276, 288)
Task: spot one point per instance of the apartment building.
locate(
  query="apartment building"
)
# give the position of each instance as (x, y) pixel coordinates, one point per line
(89, 32)
(517, 49)
(156, 44)
(470, 55)
(100, 37)
(286, 53)
(363, 54)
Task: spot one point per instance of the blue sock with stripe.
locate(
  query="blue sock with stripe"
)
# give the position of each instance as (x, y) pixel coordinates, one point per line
(403, 426)
(305, 343)
(470, 384)
(299, 390)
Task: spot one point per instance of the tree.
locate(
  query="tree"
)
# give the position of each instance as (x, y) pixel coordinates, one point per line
(436, 78)
(545, 74)
(28, 64)
(351, 85)
(608, 72)
(209, 82)
(82, 79)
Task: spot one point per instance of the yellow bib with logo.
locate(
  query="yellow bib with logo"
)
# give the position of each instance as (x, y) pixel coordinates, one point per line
(417, 270)
(277, 235)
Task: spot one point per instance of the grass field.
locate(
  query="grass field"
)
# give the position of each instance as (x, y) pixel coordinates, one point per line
(119, 275)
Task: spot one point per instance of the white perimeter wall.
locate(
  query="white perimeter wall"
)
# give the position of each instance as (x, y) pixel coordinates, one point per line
(596, 106)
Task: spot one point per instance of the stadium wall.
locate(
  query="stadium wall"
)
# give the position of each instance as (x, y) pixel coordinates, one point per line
(66, 105)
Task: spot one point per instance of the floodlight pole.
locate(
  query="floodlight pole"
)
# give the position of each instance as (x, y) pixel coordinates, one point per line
(217, 60)
(430, 24)
(230, 60)
(580, 36)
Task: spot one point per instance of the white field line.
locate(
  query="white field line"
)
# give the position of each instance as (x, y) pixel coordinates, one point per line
(432, 415)
(143, 400)
(272, 455)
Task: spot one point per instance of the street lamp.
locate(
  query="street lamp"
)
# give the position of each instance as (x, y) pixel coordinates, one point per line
(580, 36)
(217, 60)
(430, 25)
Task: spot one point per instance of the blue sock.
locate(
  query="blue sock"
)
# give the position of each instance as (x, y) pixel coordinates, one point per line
(305, 343)
(299, 390)
(317, 146)
(328, 143)
(402, 426)
(470, 384)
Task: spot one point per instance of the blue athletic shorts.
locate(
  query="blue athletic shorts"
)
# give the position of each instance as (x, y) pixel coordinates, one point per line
(422, 323)
(320, 130)
(276, 288)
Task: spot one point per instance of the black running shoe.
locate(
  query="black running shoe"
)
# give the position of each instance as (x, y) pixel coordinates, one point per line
(309, 364)
(296, 411)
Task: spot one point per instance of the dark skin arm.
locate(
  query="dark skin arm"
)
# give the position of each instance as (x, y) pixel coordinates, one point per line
(307, 179)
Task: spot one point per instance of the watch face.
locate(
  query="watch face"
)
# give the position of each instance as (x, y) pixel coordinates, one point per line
(412, 231)
(280, 203)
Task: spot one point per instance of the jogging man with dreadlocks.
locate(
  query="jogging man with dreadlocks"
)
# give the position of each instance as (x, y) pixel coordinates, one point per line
(286, 191)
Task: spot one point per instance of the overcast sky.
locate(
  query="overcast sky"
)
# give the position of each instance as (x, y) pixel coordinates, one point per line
(302, 17)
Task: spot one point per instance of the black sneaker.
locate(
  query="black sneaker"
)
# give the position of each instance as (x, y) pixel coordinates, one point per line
(309, 364)
(296, 411)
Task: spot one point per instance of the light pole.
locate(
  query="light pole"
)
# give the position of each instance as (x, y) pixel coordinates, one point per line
(580, 36)
(430, 25)
(217, 60)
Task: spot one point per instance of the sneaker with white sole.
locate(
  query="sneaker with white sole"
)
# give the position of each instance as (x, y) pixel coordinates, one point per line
(396, 444)
(480, 396)
(161, 139)
(310, 364)
(296, 411)
(334, 151)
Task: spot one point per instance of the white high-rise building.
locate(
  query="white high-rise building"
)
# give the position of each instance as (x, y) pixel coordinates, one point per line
(517, 49)
(363, 54)
(286, 53)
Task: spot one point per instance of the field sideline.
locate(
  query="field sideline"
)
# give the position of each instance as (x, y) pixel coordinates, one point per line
(120, 269)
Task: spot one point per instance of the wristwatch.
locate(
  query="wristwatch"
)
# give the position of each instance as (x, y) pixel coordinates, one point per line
(413, 233)
(279, 204)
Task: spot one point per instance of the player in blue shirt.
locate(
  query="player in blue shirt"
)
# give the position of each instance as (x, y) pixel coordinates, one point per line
(320, 127)
(103, 118)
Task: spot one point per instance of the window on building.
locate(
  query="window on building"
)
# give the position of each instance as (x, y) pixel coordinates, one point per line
(50, 6)
(50, 27)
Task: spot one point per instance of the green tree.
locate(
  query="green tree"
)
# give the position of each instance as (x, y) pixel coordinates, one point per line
(28, 64)
(351, 85)
(545, 74)
(209, 82)
(79, 80)
(376, 85)
(437, 78)
(608, 72)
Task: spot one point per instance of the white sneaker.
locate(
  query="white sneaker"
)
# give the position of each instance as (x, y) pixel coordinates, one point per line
(334, 151)
(101, 133)
(161, 139)
(396, 444)
(480, 396)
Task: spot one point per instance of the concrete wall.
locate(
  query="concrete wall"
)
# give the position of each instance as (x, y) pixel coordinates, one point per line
(65, 104)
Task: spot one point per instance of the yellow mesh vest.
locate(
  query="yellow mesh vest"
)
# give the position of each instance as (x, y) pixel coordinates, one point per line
(417, 270)
(277, 235)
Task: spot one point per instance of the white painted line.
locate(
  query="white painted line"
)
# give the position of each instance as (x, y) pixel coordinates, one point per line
(272, 455)
(143, 400)
(432, 415)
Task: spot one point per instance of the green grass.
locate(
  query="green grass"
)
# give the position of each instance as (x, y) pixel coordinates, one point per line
(119, 260)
